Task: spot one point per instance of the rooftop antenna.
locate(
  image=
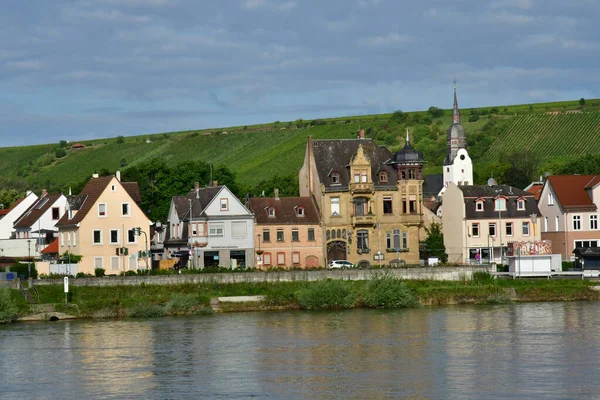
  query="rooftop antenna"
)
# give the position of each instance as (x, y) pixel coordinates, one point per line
(491, 182)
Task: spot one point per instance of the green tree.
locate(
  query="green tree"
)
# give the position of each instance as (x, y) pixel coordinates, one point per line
(120, 140)
(62, 143)
(434, 244)
(523, 168)
(582, 101)
(435, 112)
(399, 116)
(9, 196)
(60, 152)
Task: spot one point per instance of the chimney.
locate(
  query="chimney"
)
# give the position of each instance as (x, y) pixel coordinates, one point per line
(197, 189)
(276, 192)
(361, 133)
(95, 175)
(118, 175)
(44, 193)
(215, 183)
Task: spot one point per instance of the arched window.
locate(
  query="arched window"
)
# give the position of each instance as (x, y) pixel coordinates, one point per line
(383, 177)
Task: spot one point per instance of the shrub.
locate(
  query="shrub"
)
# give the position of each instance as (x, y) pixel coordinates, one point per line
(387, 291)
(99, 272)
(145, 311)
(60, 153)
(482, 278)
(326, 295)
(22, 270)
(8, 308)
(181, 303)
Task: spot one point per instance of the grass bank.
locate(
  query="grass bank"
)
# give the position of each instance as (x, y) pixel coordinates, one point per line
(383, 291)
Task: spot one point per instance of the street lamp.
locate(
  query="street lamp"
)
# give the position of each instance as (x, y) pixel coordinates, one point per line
(29, 259)
(258, 241)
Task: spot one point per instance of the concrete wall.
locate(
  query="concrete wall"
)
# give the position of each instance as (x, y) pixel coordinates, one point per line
(454, 224)
(433, 273)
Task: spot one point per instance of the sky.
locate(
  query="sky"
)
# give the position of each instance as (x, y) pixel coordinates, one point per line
(79, 70)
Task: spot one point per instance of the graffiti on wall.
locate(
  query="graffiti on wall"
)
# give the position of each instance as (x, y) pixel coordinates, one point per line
(527, 248)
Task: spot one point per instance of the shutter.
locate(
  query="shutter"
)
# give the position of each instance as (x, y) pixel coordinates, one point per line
(238, 229)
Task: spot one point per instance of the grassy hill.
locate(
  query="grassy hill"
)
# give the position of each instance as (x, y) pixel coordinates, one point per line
(258, 152)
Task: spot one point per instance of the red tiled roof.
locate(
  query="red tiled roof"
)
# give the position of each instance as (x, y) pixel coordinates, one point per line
(52, 248)
(570, 190)
(536, 190)
(36, 210)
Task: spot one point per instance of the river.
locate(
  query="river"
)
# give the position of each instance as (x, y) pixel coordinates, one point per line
(518, 351)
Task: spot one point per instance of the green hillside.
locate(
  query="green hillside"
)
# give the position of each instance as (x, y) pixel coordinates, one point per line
(259, 152)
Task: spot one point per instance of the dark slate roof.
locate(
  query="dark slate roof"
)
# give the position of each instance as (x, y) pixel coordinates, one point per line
(335, 156)
(76, 201)
(407, 154)
(200, 199)
(488, 194)
(285, 210)
(433, 184)
(36, 210)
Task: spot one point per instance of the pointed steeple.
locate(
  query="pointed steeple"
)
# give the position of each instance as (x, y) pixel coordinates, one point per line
(455, 112)
(407, 139)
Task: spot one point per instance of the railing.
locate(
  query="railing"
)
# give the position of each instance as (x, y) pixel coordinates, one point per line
(361, 187)
(363, 220)
(412, 218)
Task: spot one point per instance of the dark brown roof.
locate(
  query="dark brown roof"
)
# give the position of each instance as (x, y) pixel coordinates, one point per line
(487, 194)
(134, 191)
(285, 210)
(200, 200)
(36, 210)
(335, 156)
(571, 191)
(84, 201)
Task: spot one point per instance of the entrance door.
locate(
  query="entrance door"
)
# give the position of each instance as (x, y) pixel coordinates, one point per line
(336, 250)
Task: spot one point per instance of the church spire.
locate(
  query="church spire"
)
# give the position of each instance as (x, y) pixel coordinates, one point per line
(407, 139)
(455, 112)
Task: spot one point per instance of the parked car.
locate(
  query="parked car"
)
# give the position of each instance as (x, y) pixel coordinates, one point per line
(342, 264)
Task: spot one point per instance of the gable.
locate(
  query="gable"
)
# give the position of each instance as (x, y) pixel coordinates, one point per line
(234, 205)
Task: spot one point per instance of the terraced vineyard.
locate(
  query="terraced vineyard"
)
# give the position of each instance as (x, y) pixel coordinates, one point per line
(549, 135)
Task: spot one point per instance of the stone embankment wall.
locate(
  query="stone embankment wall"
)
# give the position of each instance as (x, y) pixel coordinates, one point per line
(430, 273)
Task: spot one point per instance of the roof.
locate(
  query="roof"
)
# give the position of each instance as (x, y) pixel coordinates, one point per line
(407, 154)
(84, 201)
(134, 191)
(488, 194)
(285, 210)
(52, 248)
(570, 190)
(199, 200)
(37, 209)
(535, 189)
(335, 156)
(432, 185)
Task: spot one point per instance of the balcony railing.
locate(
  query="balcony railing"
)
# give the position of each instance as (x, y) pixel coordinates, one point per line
(412, 219)
(361, 187)
(363, 220)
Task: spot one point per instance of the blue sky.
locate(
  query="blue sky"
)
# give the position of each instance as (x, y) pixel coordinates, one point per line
(87, 69)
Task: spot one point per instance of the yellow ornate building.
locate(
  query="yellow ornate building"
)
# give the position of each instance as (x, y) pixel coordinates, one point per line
(370, 200)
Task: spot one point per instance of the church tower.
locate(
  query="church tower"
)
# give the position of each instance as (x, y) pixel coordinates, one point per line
(457, 165)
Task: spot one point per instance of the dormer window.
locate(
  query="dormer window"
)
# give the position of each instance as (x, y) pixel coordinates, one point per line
(383, 178)
(500, 204)
(300, 211)
(335, 178)
(520, 204)
(271, 212)
(479, 205)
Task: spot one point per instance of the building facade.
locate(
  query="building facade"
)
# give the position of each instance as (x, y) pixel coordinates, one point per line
(288, 232)
(370, 200)
(481, 221)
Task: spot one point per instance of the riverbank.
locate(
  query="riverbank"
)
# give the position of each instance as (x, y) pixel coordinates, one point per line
(382, 291)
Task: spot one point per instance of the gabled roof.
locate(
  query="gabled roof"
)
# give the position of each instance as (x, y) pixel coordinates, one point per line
(285, 210)
(37, 209)
(134, 191)
(535, 188)
(84, 201)
(570, 190)
(432, 185)
(52, 248)
(335, 156)
(200, 199)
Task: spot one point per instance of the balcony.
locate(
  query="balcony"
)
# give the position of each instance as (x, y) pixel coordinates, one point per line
(198, 241)
(362, 220)
(362, 187)
(412, 219)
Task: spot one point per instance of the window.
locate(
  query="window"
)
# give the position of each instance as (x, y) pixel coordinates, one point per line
(311, 234)
(360, 206)
(97, 236)
(475, 230)
(576, 222)
(131, 237)
(383, 178)
(594, 222)
(335, 206)
(102, 210)
(295, 237)
(300, 212)
(125, 210)
(396, 233)
(98, 262)
(356, 178)
(113, 188)
(545, 224)
(194, 228)
(62, 239)
(216, 229)
(224, 204)
(267, 259)
(586, 243)
(520, 205)
(479, 205)
(363, 177)
(525, 228)
(405, 240)
(335, 178)
(239, 229)
(55, 213)
(492, 229)
(500, 204)
(132, 262)
(280, 237)
(412, 203)
(387, 205)
(114, 236)
(74, 238)
(295, 258)
(557, 223)
(509, 230)
(550, 199)
(266, 235)
(280, 258)
(362, 241)
(114, 263)
(412, 174)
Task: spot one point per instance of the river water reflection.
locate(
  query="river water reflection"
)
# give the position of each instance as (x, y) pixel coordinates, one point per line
(545, 350)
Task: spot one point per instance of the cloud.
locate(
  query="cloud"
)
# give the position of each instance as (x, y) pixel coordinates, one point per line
(522, 4)
(508, 18)
(28, 65)
(104, 16)
(390, 39)
(275, 5)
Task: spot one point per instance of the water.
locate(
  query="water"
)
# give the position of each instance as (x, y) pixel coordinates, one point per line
(541, 351)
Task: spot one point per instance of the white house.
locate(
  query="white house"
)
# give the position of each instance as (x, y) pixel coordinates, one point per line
(39, 220)
(14, 212)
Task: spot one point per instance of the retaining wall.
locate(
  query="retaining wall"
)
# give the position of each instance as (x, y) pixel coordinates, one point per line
(430, 273)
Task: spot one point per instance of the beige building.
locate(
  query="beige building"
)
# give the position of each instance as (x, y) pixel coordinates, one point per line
(569, 205)
(288, 232)
(480, 221)
(100, 223)
(369, 199)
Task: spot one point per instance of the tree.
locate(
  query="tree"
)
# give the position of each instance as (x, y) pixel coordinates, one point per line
(523, 168)
(120, 139)
(435, 112)
(9, 196)
(62, 143)
(582, 101)
(434, 244)
(399, 116)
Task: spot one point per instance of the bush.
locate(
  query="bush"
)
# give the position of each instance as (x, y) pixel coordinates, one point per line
(482, 278)
(146, 311)
(181, 303)
(8, 308)
(22, 270)
(387, 291)
(99, 272)
(60, 153)
(326, 295)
